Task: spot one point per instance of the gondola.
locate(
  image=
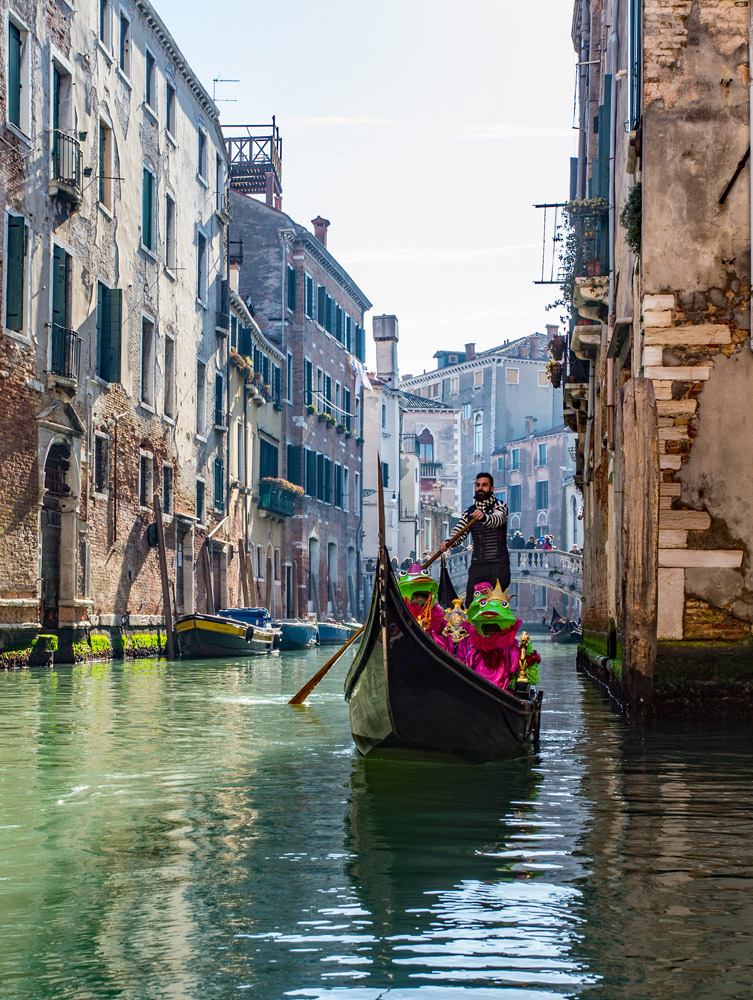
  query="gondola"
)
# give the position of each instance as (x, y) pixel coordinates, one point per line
(561, 629)
(406, 693)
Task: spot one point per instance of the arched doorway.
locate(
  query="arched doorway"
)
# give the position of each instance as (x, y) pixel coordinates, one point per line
(58, 532)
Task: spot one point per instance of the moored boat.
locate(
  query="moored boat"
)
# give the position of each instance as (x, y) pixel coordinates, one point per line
(296, 633)
(561, 629)
(202, 636)
(407, 693)
(332, 633)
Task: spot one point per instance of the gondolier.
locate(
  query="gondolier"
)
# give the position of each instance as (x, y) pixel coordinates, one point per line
(487, 517)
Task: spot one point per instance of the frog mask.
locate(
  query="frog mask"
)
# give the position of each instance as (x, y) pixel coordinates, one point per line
(490, 612)
(416, 586)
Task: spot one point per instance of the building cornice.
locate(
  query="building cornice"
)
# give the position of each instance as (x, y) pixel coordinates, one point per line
(325, 260)
(467, 366)
(240, 307)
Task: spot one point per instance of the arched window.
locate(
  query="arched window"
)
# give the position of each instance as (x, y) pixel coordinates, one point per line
(478, 434)
(426, 446)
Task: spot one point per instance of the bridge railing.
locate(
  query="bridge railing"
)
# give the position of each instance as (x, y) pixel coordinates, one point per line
(536, 562)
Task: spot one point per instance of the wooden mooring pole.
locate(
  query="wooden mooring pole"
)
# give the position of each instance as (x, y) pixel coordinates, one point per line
(162, 553)
(640, 543)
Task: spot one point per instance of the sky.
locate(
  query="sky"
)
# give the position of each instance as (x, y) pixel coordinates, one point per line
(424, 131)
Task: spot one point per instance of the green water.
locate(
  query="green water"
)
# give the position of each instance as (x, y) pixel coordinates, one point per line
(178, 831)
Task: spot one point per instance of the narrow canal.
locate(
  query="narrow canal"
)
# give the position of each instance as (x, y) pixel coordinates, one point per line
(178, 831)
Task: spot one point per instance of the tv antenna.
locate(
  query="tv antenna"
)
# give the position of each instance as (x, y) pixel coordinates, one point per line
(225, 100)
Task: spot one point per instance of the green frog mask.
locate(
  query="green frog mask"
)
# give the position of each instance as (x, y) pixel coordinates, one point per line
(490, 610)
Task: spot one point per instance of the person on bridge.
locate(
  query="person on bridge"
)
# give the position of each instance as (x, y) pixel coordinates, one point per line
(487, 518)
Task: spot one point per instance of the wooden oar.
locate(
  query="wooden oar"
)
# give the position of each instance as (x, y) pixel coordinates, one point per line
(450, 543)
(309, 686)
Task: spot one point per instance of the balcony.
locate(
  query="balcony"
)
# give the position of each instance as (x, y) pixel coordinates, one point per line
(409, 444)
(254, 154)
(65, 352)
(277, 498)
(430, 470)
(223, 206)
(66, 168)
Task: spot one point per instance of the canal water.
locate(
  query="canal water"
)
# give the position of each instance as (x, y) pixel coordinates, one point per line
(178, 831)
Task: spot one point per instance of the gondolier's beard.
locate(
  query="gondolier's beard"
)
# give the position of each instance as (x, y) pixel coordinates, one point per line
(481, 495)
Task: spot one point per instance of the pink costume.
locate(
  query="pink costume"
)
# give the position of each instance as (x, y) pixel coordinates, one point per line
(437, 619)
(496, 657)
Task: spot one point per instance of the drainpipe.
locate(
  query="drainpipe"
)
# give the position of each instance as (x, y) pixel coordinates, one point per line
(750, 171)
(612, 51)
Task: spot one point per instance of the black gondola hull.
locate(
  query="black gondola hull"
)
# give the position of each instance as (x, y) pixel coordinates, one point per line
(406, 693)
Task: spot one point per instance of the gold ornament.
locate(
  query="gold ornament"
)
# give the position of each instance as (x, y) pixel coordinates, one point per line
(457, 619)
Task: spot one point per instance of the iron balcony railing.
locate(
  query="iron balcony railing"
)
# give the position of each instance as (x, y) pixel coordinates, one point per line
(430, 469)
(65, 352)
(276, 498)
(66, 165)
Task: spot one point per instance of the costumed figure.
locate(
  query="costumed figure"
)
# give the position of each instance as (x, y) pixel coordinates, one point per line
(492, 646)
(419, 592)
(454, 636)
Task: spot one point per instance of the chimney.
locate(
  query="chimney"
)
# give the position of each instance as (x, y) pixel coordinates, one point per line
(437, 491)
(530, 421)
(533, 346)
(234, 275)
(551, 331)
(320, 229)
(385, 331)
(470, 352)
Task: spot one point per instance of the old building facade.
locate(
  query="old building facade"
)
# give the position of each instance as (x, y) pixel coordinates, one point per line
(659, 279)
(312, 311)
(113, 183)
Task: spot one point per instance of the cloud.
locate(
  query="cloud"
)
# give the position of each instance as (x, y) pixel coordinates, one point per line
(514, 130)
(431, 255)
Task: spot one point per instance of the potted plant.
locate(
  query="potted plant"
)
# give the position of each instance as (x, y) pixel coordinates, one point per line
(311, 408)
(557, 347)
(330, 419)
(359, 440)
(554, 373)
(340, 428)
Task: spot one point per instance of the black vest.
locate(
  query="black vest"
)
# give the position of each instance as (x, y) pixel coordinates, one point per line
(489, 544)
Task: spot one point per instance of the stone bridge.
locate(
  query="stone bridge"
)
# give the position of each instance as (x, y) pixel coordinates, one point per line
(562, 571)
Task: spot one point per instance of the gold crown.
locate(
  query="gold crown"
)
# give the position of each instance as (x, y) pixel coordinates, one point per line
(499, 595)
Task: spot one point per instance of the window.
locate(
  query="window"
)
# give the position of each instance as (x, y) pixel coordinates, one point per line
(347, 416)
(309, 472)
(478, 380)
(541, 457)
(147, 361)
(105, 23)
(147, 209)
(169, 401)
(268, 459)
(385, 475)
(101, 463)
(294, 471)
(109, 321)
(512, 376)
(454, 385)
(542, 494)
(478, 434)
(125, 46)
(201, 267)
(384, 415)
(514, 505)
(276, 384)
(308, 304)
(63, 354)
(466, 411)
(501, 495)
(427, 534)
(201, 398)
(289, 379)
(239, 463)
(219, 401)
(16, 271)
(167, 489)
(543, 380)
(349, 334)
(360, 344)
(539, 596)
(105, 166)
(426, 446)
(202, 155)
(19, 77)
(146, 479)
(200, 489)
(346, 489)
(356, 493)
(515, 459)
(219, 486)
(171, 257)
(338, 485)
(170, 105)
(291, 288)
(150, 83)
(500, 463)
(635, 67)
(308, 383)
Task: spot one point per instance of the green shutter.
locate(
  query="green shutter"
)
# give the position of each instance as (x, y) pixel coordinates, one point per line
(147, 210)
(16, 273)
(109, 318)
(14, 74)
(291, 288)
(308, 392)
(245, 347)
(294, 464)
(321, 305)
(219, 487)
(59, 286)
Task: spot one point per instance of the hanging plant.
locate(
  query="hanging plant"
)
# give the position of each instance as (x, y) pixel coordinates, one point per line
(554, 373)
(557, 347)
(631, 218)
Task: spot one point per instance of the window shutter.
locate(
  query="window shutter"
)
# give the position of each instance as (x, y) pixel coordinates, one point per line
(245, 347)
(294, 470)
(321, 306)
(308, 393)
(361, 344)
(339, 324)
(59, 287)
(147, 203)
(310, 484)
(385, 475)
(346, 408)
(112, 315)
(15, 282)
(223, 320)
(14, 74)
(277, 383)
(291, 288)
(219, 493)
(319, 476)
(327, 480)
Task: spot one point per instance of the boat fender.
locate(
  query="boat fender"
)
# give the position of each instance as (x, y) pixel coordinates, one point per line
(250, 633)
